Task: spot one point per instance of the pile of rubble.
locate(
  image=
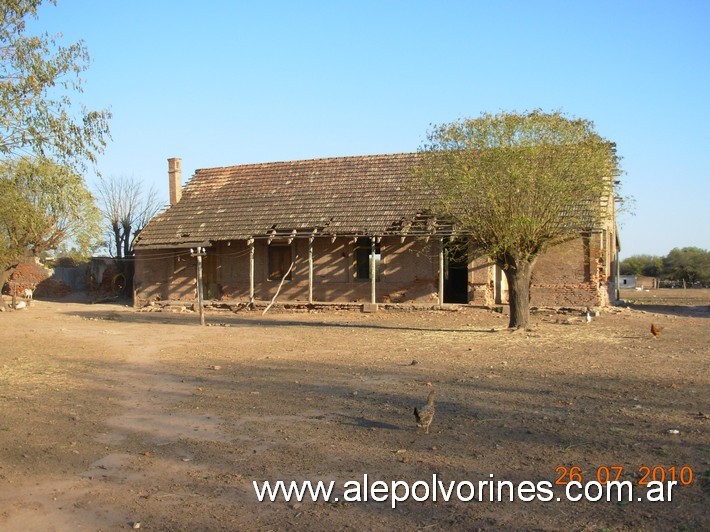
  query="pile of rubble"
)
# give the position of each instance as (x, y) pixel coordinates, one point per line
(37, 278)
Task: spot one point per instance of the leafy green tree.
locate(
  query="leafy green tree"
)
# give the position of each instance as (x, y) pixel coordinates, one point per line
(15, 224)
(517, 184)
(37, 75)
(689, 264)
(42, 206)
(631, 266)
(654, 267)
(649, 265)
(43, 203)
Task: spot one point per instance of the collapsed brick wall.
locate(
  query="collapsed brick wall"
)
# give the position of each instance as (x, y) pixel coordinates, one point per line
(36, 277)
(105, 277)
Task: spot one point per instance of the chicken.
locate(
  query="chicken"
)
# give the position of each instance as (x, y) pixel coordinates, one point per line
(425, 414)
(655, 330)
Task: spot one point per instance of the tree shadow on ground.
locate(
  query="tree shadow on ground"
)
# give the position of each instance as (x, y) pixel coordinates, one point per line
(301, 419)
(696, 311)
(230, 320)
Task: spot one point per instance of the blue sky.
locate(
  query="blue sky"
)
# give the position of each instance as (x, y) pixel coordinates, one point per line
(219, 83)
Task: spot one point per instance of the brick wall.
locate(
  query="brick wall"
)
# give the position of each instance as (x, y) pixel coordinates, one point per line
(162, 275)
(408, 273)
(574, 274)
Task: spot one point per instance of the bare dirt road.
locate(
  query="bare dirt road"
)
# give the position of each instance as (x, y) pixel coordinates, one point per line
(111, 417)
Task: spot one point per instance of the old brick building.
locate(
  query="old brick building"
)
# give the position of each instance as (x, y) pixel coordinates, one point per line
(320, 222)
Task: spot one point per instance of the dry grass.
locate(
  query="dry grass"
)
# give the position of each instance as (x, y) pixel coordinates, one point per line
(112, 416)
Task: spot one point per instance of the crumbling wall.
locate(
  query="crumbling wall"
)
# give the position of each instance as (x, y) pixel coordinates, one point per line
(408, 273)
(34, 276)
(481, 278)
(572, 274)
(162, 275)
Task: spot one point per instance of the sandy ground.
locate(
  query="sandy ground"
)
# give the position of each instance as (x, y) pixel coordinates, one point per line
(111, 417)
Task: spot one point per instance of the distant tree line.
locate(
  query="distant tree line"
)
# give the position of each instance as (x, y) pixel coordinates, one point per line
(689, 265)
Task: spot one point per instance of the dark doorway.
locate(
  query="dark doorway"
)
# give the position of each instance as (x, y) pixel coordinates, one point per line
(456, 273)
(210, 278)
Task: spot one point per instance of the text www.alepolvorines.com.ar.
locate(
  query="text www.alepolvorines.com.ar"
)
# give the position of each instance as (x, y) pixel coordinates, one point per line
(397, 491)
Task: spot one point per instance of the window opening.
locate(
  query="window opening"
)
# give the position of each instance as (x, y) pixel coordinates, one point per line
(363, 256)
(280, 258)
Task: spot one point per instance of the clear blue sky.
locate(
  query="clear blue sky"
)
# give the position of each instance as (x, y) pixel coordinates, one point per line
(233, 82)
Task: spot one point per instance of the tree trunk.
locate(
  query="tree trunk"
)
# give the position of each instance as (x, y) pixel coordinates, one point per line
(117, 238)
(126, 241)
(4, 276)
(518, 272)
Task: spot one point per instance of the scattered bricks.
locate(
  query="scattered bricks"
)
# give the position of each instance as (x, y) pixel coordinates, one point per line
(27, 275)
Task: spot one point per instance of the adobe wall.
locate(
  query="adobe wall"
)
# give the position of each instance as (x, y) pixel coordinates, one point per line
(481, 282)
(408, 274)
(574, 274)
(577, 273)
(162, 275)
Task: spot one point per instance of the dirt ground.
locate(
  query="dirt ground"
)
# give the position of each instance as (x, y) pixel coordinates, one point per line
(112, 418)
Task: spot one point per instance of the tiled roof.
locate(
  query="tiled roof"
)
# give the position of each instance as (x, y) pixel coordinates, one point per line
(365, 195)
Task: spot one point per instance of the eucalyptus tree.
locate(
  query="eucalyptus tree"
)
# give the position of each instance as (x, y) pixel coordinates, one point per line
(38, 76)
(47, 139)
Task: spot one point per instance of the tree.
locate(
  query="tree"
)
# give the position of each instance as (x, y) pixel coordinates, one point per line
(127, 210)
(649, 265)
(37, 74)
(42, 206)
(43, 199)
(689, 264)
(517, 184)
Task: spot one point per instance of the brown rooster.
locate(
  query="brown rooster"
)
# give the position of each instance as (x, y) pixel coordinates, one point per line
(655, 330)
(425, 414)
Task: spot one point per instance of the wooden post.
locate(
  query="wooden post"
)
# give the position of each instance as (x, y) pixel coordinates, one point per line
(373, 271)
(199, 289)
(310, 270)
(441, 272)
(199, 253)
(251, 270)
(617, 292)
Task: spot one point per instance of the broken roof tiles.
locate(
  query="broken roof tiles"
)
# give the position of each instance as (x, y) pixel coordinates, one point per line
(373, 195)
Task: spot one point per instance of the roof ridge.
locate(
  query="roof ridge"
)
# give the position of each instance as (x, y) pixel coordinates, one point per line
(356, 194)
(312, 160)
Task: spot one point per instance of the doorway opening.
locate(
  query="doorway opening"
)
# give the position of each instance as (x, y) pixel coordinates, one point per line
(456, 272)
(210, 279)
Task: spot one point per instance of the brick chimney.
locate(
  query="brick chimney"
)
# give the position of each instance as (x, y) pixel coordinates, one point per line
(175, 179)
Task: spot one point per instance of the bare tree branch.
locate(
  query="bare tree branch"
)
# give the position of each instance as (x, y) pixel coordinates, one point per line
(126, 209)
